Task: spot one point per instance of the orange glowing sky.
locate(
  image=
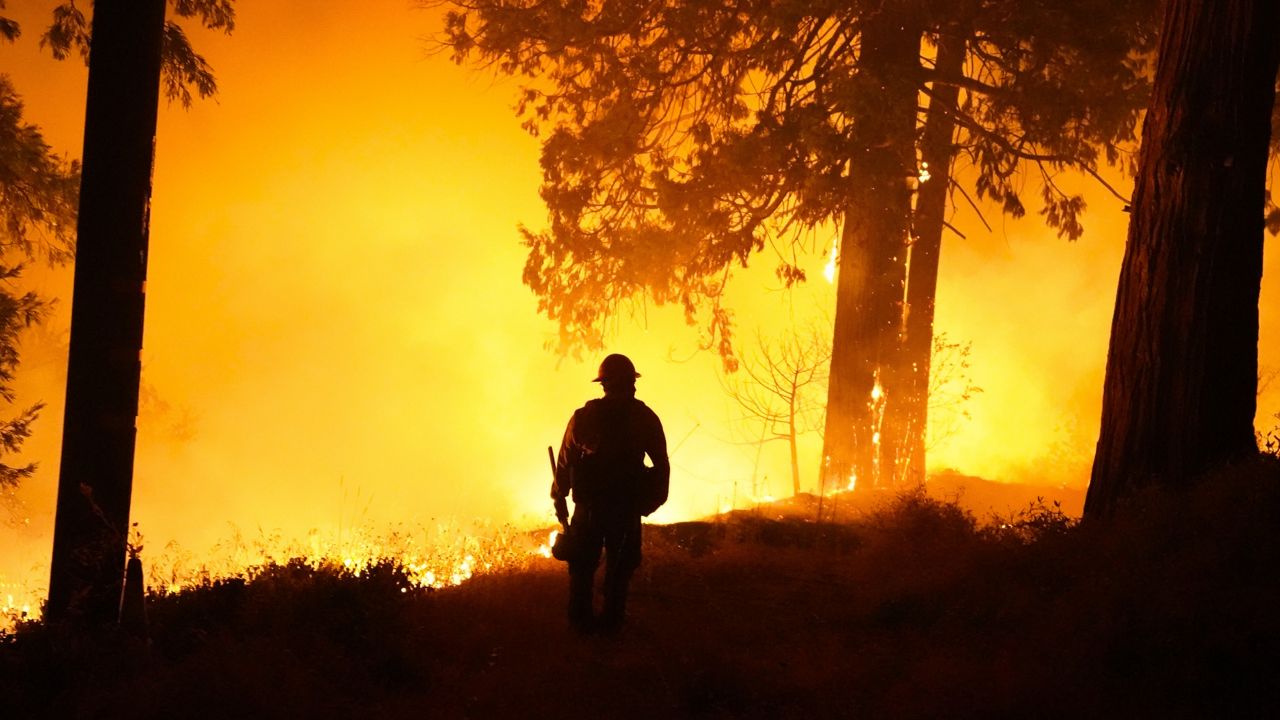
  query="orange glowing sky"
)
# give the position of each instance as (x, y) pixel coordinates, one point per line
(336, 329)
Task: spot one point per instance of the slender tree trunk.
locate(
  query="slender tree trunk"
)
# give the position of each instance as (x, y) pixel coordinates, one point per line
(1181, 375)
(96, 477)
(791, 440)
(910, 409)
(873, 247)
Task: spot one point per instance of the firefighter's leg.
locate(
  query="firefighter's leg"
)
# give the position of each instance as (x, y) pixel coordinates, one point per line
(582, 570)
(622, 544)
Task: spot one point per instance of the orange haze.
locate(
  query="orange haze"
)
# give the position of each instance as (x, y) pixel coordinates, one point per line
(337, 332)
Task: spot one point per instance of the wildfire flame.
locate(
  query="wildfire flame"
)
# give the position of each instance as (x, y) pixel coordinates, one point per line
(877, 422)
(18, 602)
(545, 549)
(12, 608)
(833, 258)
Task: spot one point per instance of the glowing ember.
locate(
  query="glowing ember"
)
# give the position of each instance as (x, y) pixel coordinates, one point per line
(829, 272)
(924, 175)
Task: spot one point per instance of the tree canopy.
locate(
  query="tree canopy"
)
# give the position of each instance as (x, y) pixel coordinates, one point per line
(681, 138)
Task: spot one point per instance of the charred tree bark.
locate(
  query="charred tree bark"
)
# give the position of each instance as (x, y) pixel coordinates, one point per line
(96, 477)
(1181, 375)
(873, 246)
(910, 409)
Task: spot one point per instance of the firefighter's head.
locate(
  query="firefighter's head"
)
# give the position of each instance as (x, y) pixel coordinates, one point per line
(617, 375)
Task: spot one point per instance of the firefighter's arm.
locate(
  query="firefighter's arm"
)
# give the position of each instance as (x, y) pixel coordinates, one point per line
(562, 484)
(557, 499)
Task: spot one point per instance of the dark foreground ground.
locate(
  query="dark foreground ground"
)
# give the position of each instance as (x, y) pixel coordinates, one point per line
(914, 611)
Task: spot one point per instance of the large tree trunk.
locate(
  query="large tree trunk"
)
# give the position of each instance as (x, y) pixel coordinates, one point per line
(910, 410)
(1181, 375)
(96, 478)
(857, 448)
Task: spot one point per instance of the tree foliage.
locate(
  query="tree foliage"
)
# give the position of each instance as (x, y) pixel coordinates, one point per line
(38, 193)
(182, 68)
(17, 313)
(682, 138)
(951, 388)
(38, 189)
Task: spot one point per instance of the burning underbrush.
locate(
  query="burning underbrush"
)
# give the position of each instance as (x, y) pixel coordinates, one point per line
(444, 554)
(913, 608)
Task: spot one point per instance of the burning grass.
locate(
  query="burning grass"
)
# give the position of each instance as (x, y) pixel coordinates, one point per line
(437, 556)
(913, 610)
(443, 554)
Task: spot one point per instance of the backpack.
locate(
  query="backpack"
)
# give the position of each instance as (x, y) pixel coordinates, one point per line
(609, 472)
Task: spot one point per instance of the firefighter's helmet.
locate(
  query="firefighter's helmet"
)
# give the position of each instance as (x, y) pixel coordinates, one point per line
(616, 367)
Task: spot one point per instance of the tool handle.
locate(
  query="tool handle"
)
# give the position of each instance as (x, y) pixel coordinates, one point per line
(562, 508)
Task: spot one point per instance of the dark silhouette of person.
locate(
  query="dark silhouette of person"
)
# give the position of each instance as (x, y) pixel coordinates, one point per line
(601, 464)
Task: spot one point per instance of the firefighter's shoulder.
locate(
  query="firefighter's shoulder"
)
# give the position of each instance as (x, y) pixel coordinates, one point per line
(645, 411)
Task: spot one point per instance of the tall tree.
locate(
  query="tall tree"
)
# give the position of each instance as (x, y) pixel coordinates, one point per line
(96, 476)
(875, 236)
(937, 151)
(682, 138)
(1182, 369)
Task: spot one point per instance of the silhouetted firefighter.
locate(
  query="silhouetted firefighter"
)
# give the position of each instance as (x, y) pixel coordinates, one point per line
(601, 463)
